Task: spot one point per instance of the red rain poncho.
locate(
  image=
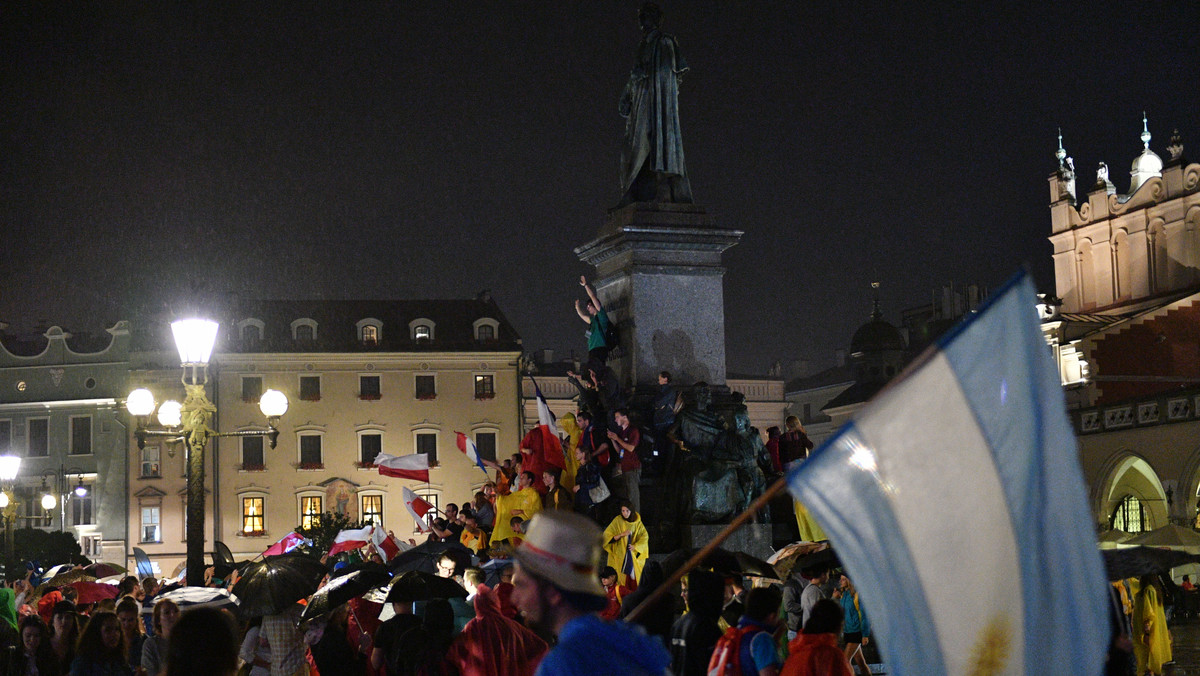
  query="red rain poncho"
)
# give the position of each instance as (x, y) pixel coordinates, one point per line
(493, 645)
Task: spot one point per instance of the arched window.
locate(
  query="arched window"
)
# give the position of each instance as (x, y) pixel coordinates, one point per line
(1130, 516)
(1159, 258)
(1124, 283)
(1087, 276)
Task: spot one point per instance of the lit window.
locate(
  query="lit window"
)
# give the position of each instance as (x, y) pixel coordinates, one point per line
(151, 524)
(310, 388)
(427, 444)
(39, 437)
(1130, 516)
(485, 387)
(310, 451)
(372, 509)
(426, 387)
(252, 389)
(81, 435)
(370, 335)
(423, 332)
(368, 387)
(81, 508)
(252, 453)
(253, 517)
(310, 511)
(151, 457)
(369, 446)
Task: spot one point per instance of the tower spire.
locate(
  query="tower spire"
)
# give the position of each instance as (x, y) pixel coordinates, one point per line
(1145, 132)
(1061, 153)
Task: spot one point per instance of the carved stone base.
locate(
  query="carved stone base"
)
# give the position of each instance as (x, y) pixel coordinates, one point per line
(752, 538)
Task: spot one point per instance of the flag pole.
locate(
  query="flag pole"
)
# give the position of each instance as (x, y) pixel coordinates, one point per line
(707, 549)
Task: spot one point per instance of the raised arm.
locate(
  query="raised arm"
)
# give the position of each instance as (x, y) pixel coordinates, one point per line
(591, 292)
(582, 315)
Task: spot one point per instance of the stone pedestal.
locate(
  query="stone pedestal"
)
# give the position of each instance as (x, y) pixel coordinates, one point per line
(752, 538)
(660, 277)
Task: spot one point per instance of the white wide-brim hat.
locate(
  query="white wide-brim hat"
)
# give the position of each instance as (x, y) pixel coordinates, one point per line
(564, 548)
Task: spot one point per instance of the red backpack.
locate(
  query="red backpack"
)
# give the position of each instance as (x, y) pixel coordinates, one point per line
(728, 654)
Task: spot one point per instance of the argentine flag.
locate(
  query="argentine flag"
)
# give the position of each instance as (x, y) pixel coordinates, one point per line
(956, 503)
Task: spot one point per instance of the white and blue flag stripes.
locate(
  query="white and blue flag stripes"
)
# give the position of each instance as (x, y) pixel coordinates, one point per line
(955, 501)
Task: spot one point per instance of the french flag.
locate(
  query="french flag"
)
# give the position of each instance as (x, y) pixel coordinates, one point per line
(551, 445)
(351, 539)
(468, 448)
(956, 503)
(286, 544)
(417, 507)
(415, 466)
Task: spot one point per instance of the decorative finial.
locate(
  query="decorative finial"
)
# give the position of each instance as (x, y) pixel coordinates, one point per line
(876, 313)
(1061, 153)
(1145, 132)
(1175, 145)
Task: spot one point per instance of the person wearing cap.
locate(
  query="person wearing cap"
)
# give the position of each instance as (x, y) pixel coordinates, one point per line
(557, 587)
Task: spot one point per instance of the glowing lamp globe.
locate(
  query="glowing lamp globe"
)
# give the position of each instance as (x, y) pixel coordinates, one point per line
(81, 490)
(3, 500)
(140, 402)
(9, 466)
(48, 502)
(273, 403)
(194, 339)
(170, 413)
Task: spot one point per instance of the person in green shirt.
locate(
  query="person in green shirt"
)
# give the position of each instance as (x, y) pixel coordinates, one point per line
(597, 320)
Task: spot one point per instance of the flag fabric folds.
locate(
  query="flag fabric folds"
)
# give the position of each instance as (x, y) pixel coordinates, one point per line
(286, 544)
(384, 544)
(418, 508)
(415, 466)
(544, 438)
(351, 539)
(470, 450)
(955, 498)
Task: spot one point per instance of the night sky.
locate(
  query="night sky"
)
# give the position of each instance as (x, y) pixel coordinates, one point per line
(409, 150)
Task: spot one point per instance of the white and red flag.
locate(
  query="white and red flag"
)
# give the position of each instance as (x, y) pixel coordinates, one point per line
(470, 450)
(417, 507)
(415, 466)
(286, 544)
(351, 539)
(384, 544)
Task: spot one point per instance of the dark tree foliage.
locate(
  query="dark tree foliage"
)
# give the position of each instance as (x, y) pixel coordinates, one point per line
(326, 529)
(46, 548)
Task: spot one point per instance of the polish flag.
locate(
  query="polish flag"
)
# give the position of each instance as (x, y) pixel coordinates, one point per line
(551, 446)
(286, 544)
(415, 466)
(417, 507)
(468, 447)
(351, 539)
(384, 544)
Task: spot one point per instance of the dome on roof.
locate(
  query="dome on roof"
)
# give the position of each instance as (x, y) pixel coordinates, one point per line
(1147, 165)
(876, 336)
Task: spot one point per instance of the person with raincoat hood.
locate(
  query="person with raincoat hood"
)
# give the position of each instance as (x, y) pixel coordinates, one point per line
(570, 427)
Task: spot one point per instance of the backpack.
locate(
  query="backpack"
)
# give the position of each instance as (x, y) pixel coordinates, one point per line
(612, 336)
(731, 656)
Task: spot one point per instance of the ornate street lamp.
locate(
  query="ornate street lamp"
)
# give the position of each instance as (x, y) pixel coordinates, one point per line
(191, 423)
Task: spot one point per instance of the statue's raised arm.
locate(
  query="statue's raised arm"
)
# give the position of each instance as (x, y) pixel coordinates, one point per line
(652, 166)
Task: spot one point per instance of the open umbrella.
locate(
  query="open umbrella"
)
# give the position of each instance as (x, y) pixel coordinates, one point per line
(424, 557)
(754, 566)
(196, 597)
(92, 592)
(55, 570)
(1170, 535)
(64, 579)
(273, 585)
(416, 585)
(105, 569)
(1138, 561)
(719, 561)
(785, 559)
(342, 588)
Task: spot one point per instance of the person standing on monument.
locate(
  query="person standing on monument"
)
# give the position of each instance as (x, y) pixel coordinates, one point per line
(598, 325)
(652, 167)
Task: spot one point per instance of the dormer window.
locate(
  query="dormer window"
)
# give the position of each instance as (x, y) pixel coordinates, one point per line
(370, 335)
(421, 330)
(251, 334)
(250, 331)
(304, 330)
(370, 332)
(486, 329)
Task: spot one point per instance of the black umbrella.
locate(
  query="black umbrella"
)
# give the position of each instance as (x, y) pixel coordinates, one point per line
(1139, 561)
(272, 585)
(424, 557)
(719, 561)
(754, 566)
(342, 588)
(419, 586)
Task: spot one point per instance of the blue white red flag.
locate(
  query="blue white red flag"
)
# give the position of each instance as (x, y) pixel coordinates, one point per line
(956, 503)
(551, 445)
(470, 450)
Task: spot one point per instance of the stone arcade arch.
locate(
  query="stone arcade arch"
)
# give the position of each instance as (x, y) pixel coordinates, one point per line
(1128, 474)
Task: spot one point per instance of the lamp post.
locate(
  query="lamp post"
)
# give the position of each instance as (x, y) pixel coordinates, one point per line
(191, 423)
(58, 496)
(10, 465)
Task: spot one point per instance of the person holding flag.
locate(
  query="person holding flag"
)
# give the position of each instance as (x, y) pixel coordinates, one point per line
(523, 502)
(469, 449)
(570, 427)
(627, 544)
(418, 508)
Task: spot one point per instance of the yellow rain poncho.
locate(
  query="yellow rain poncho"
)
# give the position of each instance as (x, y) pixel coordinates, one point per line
(810, 530)
(526, 502)
(616, 546)
(570, 427)
(1151, 640)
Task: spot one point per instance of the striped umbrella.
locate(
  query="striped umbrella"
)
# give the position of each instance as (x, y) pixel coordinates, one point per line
(196, 597)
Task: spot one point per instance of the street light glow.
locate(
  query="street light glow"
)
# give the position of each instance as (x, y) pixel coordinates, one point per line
(48, 502)
(170, 413)
(273, 403)
(140, 402)
(195, 339)
(9, 466)
(81, 490)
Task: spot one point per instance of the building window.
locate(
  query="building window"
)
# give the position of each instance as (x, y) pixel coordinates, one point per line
(304, 330)
(485, 443)
(310, 511)
(371, 509)
(370, 335)
(433, 499)
(427, 444)
(5, 436)
(251, 389)
(31, 510)
(1130, 516)
(485, 386)
(486, 333)
(369, 446)
(152, 524)
(151, 458)
(426, 387)
(38, 430)
(368, 387)
(252, 454)
(251, 334)
(81, 508)
(422, 332)
(310, 388)
(254, 515)
(81, 435)
(310, 451)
